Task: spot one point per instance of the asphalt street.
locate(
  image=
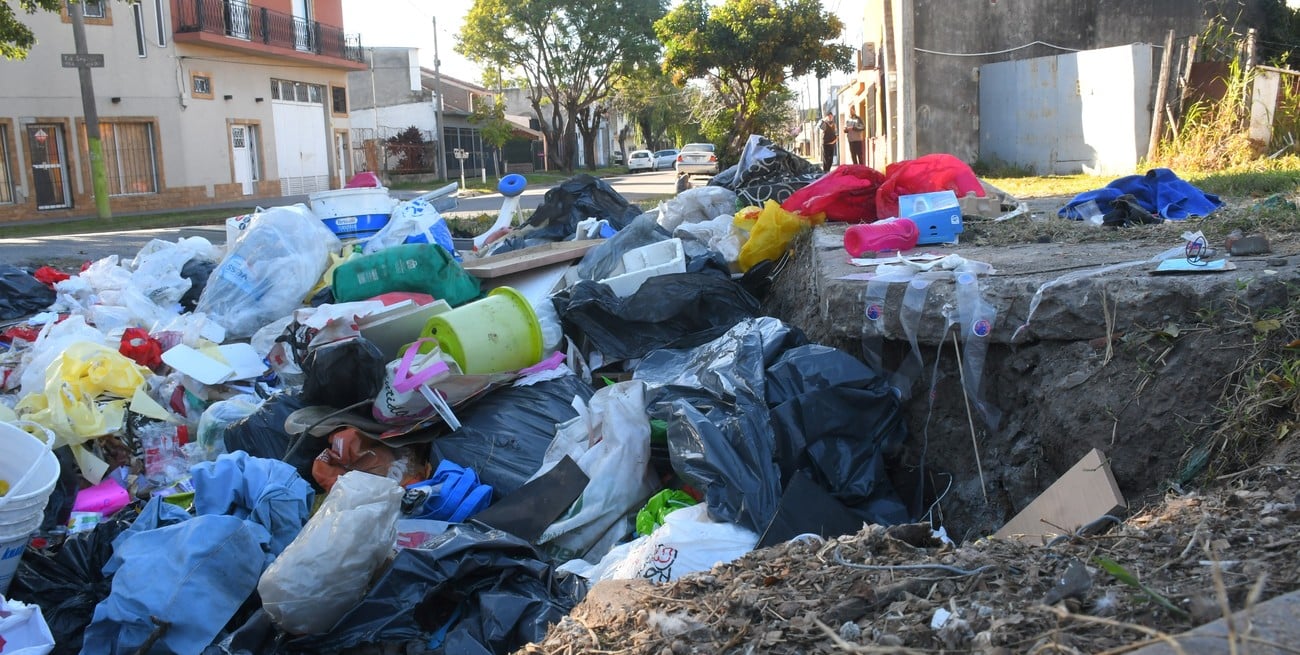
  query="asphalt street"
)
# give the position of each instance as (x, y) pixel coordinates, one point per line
(65, 250)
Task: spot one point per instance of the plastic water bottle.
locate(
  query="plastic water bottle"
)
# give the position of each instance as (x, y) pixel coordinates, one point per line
(881, 236)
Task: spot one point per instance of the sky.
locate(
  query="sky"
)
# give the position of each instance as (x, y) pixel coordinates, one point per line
(409, 23)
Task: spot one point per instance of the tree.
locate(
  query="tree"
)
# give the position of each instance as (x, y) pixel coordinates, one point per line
(410, 147)
(569, 52)
(660, 111)
(745, 50)
(16, 39)
(490, 118)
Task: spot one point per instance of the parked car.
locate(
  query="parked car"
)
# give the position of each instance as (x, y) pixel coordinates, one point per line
(616, 158)
(665, 159)
(640, 160)
(697, 159)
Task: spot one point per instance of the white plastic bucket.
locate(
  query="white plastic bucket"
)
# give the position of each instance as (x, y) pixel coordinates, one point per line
(31, 470)
(353, 213)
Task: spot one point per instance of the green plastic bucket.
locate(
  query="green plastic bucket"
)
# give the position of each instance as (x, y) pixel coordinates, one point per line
(496, 334)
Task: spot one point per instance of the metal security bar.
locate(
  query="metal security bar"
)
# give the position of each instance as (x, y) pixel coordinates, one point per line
(239, 20)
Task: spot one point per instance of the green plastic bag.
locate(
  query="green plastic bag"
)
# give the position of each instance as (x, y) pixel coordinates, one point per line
(417, 267)
(660, 505)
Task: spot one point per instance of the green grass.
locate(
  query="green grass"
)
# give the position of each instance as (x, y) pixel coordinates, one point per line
(1048, 185)
(121, 223)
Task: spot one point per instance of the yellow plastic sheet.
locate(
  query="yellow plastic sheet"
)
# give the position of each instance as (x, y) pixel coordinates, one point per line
(70, 402)
(771, 233)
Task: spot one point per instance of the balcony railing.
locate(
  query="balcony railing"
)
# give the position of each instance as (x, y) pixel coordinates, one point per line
(240, 20)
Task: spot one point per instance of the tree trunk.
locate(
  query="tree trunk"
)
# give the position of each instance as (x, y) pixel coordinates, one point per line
(589, 126)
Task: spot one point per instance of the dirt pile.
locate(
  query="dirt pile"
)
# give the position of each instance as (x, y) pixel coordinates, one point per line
(1166, 569)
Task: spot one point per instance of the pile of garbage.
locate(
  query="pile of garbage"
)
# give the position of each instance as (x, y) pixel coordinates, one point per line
(338, 430)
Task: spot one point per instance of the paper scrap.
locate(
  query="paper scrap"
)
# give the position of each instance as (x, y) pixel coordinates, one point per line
(197, 365)
(142, 403)
(92, 467)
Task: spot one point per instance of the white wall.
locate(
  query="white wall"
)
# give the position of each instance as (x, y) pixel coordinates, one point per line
(1079, 112)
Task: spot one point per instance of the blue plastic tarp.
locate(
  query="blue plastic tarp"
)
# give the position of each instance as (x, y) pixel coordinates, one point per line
(1160, 192)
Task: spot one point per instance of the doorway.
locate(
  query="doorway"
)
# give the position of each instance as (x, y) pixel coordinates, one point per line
(49, 172)
(341, 158)
(243, 146)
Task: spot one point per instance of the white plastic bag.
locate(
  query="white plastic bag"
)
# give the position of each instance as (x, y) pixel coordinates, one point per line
(23, 630)
(687, 542)
(697, 205)
(266, 274)
(718, 234)
(326, 570)
(412, 218)
(218, 415)
(610, 441)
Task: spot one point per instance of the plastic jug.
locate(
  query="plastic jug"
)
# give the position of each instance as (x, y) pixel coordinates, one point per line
(889, 234)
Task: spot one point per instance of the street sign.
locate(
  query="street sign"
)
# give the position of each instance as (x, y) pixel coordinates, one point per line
(79, 61)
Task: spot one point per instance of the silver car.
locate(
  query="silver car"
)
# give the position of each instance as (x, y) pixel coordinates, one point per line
(665, 159)
(697, 159)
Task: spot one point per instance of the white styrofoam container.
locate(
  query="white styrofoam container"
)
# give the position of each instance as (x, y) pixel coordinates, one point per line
(641, 264)
(353, 213)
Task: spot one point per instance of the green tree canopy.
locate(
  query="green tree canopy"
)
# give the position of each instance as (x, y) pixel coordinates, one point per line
(569, 52)
(660, 111)
(16, 39)
(745, 50)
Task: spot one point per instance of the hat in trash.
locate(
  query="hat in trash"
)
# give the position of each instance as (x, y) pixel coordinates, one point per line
(322, 420)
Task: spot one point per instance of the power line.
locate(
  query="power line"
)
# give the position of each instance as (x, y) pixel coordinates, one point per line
(995, 52)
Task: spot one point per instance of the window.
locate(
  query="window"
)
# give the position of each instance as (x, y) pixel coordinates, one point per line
(201, 85)
(93, 8)
(275, 89)
(339, 98)
(160, 19)
(302, 92)
(314, 94)
(129, 158)
(137, 13)
(6, 180)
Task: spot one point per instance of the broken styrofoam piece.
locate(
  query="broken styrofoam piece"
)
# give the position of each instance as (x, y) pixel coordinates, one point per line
(238, 361)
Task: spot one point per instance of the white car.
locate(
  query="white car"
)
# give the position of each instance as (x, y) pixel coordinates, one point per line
(640, 160)
(697, 159)
(665, 159)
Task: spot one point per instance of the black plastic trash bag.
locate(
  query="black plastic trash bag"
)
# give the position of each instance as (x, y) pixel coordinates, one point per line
(262, 434)
(23, 295)
(476, 592)
(679, 310)
(840, 421)
(343, 373)
(197, 271)
(69, 584)
(720, 437)
(504, 436)
(563, 207)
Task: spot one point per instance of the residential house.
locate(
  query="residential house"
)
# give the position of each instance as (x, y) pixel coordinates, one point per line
(394, 93)
(919, 73)
(199, 102)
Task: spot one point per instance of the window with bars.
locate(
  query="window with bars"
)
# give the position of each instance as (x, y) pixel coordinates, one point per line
(130, 158)
(6, 180)
(160, 22)
(92, 8)
(297, 91)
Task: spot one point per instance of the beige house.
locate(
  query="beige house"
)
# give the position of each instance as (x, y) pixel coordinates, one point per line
(199, 101)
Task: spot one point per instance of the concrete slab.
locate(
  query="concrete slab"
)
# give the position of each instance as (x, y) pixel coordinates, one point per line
(1271, 628)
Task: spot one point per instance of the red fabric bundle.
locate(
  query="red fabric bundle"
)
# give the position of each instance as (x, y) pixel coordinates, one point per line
(937, 172)
(846, 194)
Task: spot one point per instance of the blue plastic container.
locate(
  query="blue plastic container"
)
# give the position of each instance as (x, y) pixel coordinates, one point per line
(353, 213)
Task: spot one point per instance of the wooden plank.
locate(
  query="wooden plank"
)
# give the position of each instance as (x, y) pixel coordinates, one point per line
(1084, 494)
(529, 258)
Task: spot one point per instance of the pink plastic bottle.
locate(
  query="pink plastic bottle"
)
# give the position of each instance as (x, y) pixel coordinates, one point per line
(889, 234)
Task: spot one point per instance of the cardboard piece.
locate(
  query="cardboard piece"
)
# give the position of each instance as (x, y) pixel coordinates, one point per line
(532, 508)
(400, 325)
(1084, 494)
(807, 508)
(529, 258)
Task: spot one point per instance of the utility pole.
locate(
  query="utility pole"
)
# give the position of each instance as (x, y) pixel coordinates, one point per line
(98, 175)
(437, 107)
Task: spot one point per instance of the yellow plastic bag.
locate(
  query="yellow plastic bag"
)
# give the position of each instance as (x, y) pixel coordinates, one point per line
(771, 234)
(69, 403)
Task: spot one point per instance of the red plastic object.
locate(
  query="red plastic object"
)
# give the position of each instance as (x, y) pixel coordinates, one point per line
(937, 172)
(846, 194)
(895, 234)
(141, 348)
(49, 276)
(394, 297)
(363, 180)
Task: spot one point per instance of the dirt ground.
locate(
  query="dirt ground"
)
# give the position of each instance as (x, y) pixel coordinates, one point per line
(1174, 565)
(1209, 529)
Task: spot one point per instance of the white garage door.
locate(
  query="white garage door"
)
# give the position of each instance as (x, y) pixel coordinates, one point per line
(301, 147)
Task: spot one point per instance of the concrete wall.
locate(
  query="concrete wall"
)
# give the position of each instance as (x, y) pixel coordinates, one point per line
(1084, 112)
(394, 79)
(946, 85)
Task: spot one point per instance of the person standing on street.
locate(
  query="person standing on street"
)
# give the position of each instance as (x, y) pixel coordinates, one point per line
(830, 135)
(855, 131)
